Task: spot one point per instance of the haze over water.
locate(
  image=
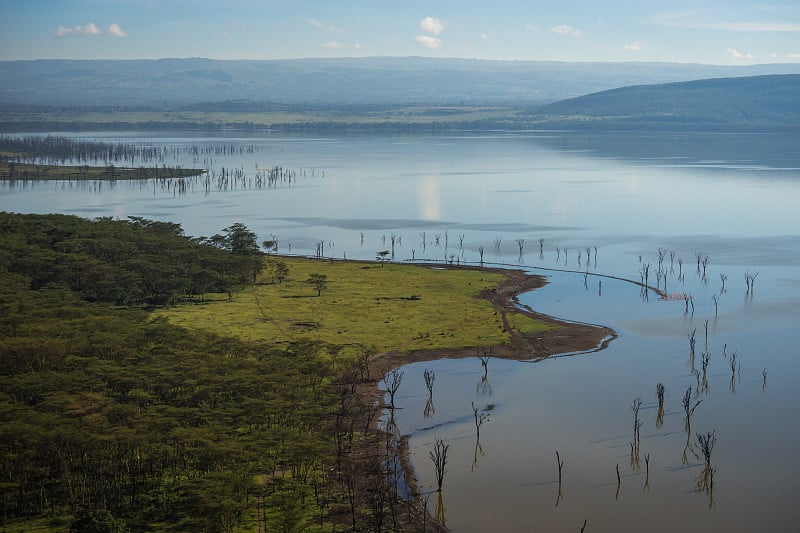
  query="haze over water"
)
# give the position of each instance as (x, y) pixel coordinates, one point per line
(730, 197)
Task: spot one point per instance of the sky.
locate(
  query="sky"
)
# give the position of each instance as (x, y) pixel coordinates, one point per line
(723, 32)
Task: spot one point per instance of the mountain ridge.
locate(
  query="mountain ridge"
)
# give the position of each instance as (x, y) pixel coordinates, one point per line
(372, 80)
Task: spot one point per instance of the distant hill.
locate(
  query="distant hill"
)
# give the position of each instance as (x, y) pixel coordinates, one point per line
(384, 81)
(754, 102)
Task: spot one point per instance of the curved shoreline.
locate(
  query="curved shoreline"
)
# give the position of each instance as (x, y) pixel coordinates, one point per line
(563, 339)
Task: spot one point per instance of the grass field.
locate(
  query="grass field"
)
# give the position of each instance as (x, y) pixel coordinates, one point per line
(389, 308)
(24, 171)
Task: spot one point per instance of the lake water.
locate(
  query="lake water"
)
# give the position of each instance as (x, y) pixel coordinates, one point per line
(620, 198)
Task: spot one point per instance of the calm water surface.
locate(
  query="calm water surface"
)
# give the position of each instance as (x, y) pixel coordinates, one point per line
(732, 198)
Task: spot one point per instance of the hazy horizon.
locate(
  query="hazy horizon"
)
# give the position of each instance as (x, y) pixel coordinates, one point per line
(718, 33)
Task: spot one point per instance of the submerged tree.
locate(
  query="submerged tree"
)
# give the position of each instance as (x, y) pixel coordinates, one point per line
(660, 413)
(393, 379)
(439, 458)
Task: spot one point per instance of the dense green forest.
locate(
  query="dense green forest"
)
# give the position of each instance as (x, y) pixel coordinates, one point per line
(111, 420)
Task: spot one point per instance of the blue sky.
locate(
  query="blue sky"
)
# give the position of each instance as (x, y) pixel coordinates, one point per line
(711, 31)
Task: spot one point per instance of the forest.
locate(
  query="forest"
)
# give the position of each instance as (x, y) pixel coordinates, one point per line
(112, 419)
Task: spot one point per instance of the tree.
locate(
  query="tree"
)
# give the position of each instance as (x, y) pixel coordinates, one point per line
(281, 271)
(240, 240)
(382, 256)
(319, 281)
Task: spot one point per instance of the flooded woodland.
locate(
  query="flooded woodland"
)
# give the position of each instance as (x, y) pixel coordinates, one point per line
(686, 245)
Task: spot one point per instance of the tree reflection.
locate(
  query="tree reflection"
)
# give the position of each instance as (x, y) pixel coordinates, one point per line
(430, 377)
(440, 513)
(484, 388)
(478, 451)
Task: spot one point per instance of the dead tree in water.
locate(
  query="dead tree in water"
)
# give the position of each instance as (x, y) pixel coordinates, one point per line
(439, 458)
(479, 419)
(392, 381)
(705, 482)
(689, 409)
(637, 425)
(660, 414)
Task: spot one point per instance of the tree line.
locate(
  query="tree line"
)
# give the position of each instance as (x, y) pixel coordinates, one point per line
(111, 420)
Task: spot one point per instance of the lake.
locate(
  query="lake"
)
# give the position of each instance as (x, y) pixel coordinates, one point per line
(702, 210)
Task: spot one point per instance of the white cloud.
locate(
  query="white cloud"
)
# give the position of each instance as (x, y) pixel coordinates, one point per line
(795, 57)
(485, 36)
(90, 29)
(357, 46)
(333, 45)
(324, 27)
(431, 25)
(736, 54)
(563, 29)
(633, 47)
(116, 31)
(430, 42)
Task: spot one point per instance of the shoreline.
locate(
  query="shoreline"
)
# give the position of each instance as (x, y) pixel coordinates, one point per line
(565, 338)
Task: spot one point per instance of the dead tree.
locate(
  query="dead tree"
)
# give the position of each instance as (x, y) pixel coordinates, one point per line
(439, 458)
(705, 481)
(660, 414)
(688, 408)
(392, 380)
(479, 419)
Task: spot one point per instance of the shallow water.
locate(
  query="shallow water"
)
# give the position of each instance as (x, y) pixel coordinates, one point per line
(732, 197)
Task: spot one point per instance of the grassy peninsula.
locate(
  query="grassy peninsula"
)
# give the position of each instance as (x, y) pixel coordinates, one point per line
(391, 307)
(153, 381)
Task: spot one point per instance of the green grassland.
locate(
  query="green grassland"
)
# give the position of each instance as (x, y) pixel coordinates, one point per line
(390, 307)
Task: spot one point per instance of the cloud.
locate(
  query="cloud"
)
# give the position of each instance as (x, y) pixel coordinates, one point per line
(633, 47)
(333, 45)
(795, 57)
(116, 31)
(431, 25)
(563, 29)
(736, 54)
(90, 29)
(485, 36)
(324, 27)
(430, 42)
